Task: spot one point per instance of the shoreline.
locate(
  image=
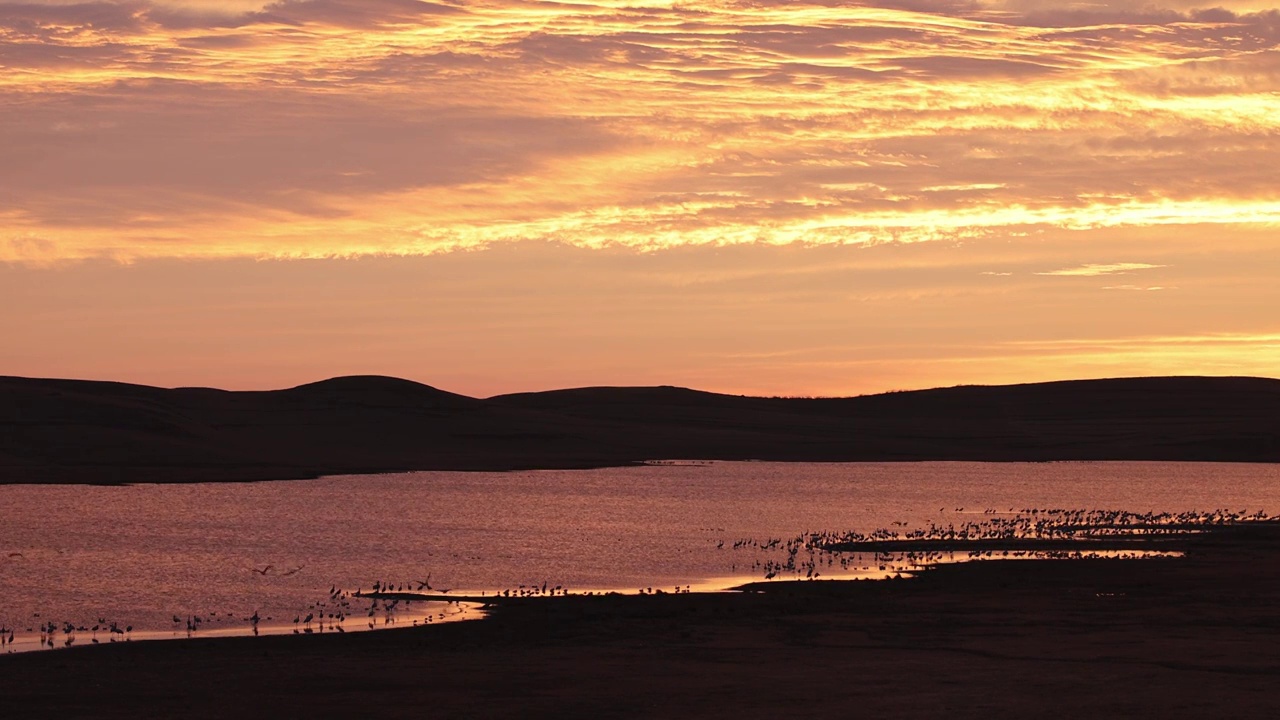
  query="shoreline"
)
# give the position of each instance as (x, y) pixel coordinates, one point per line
(1030, 534)
(1033, 535)
(40, 642)
(1182, 637)
(6, 480)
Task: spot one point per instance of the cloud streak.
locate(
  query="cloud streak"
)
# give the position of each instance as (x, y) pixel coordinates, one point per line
(142, 128)
(1097, 269)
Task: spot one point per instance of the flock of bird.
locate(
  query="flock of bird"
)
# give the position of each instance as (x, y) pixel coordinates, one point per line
(335, 613)
(998, 534)
(54, 634)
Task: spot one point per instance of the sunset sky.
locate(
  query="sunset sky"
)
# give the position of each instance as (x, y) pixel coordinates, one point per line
(781, 198)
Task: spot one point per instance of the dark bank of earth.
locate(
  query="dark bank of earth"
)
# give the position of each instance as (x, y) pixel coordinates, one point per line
(99, 432)
(1189, 637)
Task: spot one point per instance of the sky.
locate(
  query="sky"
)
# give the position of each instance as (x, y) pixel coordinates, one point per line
(773, 198)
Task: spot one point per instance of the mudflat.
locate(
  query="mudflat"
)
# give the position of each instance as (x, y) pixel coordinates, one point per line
(1196, 636)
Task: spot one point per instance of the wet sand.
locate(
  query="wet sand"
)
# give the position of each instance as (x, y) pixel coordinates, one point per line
(1196, 636)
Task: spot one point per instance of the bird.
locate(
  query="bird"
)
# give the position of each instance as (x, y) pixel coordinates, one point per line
(263, 571)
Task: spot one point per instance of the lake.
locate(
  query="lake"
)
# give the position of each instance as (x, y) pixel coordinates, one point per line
(155, 556)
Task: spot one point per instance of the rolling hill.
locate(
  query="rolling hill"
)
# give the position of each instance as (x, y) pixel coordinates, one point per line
(103, 432)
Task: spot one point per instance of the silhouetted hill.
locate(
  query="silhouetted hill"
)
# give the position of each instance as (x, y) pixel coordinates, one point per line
(82, 431)
(382, 391)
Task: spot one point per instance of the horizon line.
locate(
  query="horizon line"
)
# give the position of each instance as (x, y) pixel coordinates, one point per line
(377, 377)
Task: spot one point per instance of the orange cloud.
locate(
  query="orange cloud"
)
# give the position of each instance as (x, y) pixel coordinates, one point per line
(142, 128)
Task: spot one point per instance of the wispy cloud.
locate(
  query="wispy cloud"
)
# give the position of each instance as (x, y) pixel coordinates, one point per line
(319, 127)
(1096, 269)
(1225, 339)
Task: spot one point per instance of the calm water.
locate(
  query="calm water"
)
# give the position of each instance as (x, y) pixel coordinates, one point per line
(143, 554)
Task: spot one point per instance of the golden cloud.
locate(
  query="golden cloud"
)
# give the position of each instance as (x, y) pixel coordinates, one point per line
(306, 128)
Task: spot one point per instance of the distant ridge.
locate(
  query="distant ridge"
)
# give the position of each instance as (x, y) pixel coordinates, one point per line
(105, 432)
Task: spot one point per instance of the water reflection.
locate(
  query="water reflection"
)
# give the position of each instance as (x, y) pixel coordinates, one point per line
(152, 557)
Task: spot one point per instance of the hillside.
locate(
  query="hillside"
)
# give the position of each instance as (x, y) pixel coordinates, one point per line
(101, 432)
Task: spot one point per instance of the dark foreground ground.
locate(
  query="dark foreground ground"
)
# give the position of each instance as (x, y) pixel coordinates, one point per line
(1192, 637)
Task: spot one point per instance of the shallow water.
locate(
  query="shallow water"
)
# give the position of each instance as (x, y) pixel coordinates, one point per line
(142, 555)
